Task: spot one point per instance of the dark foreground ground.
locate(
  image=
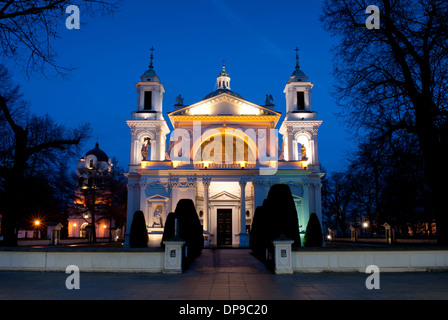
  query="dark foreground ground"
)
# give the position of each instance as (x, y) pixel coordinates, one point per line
(221, 275)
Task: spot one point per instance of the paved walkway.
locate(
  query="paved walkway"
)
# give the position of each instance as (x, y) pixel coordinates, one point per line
(222, 275)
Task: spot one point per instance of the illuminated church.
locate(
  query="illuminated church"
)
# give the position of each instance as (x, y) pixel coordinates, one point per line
(224, 153)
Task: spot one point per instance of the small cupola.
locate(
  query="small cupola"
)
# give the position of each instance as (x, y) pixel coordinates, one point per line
(223, 80)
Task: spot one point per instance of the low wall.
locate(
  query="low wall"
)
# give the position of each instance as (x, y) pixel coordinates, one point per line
(384, 241)
(151, 261)
(47, 242)
(357, 261)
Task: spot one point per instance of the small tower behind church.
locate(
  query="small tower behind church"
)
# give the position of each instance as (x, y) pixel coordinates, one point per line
(300, 127)
(148, 127)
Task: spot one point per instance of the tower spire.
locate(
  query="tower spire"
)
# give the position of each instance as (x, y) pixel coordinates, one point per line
(151, 58)
(297, 58)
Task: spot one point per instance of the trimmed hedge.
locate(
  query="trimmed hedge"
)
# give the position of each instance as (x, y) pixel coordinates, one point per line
(189, 228)
(313, 233)
(276, 218)
(138, 236)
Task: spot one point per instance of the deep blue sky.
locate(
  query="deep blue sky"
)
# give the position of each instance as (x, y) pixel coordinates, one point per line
(256, 38)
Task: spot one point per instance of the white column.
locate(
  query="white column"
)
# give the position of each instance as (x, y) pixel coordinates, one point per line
(244, 239)
(290, 144)
(306, 206)
(133, 204)
(206, 183)
(318, 199)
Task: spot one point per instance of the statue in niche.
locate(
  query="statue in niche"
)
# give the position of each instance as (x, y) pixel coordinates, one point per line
(303, 152)
(145, 148)
(158, 218)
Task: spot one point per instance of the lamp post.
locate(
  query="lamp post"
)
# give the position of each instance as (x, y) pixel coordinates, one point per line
(365, 225)
(36, 227)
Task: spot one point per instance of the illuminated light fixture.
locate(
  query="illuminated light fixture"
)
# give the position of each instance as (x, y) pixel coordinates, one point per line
(144, 164)
(242, 164)
(36, 223)
(305, 164)
(365, 224)
(104, 226)
(207, 164)
(329, 237)
(176, 163)
(74, 224)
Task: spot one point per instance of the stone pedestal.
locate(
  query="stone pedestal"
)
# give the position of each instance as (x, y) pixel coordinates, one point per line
(173, 256)
(283, 256)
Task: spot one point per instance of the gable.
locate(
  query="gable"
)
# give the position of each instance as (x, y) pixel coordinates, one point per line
(224, 195)
(224, 105)
(157, 197)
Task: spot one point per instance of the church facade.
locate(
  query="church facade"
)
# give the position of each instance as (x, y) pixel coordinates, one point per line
(224, 153)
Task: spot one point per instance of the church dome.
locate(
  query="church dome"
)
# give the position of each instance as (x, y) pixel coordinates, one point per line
(98, 153)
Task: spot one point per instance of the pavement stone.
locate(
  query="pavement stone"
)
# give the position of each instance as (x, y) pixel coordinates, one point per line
(223, 274)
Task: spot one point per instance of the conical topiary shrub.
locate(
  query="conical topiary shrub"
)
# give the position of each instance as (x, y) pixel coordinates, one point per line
(258, 234)
(313, 233)
(138, 236)
(276, 218)
(190, 229)
(282, 214)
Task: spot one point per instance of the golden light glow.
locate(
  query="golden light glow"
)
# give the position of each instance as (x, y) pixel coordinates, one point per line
(236, 133)
(176, 164)
(365, 224)
(104, 226)
(144, 164)
(226, 118)
(74, 224)
(36, 222)
(206, 164)
(242, 163)
(304, 164)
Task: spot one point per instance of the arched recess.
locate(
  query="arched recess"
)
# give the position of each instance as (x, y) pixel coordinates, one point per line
(303, 138)
(138, 143)
(232, 146)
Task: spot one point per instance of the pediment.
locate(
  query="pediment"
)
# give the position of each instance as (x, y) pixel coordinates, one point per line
(157, 197)
(224, 195)
(224, 104)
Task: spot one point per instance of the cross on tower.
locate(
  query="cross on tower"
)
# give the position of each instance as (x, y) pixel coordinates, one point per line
(152, 56)
(297, 56)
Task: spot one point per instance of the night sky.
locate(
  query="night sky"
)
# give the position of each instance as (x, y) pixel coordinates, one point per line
(191, 38)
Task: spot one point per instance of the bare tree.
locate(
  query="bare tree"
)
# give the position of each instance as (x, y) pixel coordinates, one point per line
(32, 142)
(394, 79)
(337, 200)
(29, 27)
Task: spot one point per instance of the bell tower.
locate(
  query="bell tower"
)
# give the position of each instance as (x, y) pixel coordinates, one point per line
(148, 127)
(150, 93)
(300, 126)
